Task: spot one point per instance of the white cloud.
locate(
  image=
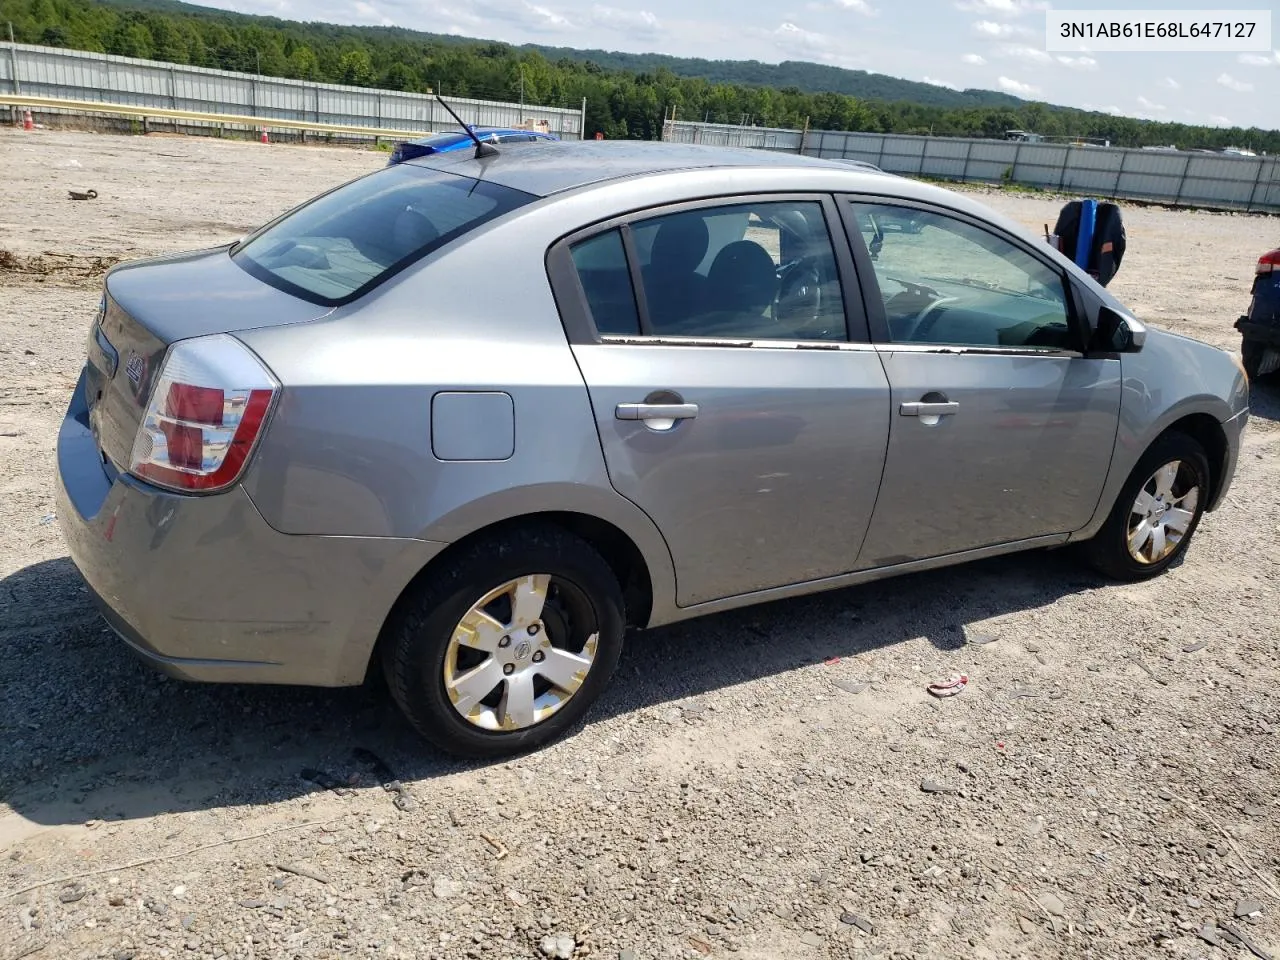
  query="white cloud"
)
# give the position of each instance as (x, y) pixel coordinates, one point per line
(531, 16)
(636, 22)
(548, 17)
(858, 6)
(1220, 121)
(1079, 63)
(795, 41)
(1149, 105)
(1110, 108)
(791, 37)
(941, 83)
(1015, 87)
(1000, 8)
(989, 28)
(368, 13)
(1030, 54)
(1171, 83)
(1260, 59)
(1231, 83)
(975, 59)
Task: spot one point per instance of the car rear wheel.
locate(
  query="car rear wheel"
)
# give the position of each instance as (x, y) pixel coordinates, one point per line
(1157, 511)
(509, 645)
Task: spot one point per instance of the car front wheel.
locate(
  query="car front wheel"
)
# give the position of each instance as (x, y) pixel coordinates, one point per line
(1157, 511)
(508, 645)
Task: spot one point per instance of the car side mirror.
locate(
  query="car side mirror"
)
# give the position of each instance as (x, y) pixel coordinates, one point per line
(1117, 332)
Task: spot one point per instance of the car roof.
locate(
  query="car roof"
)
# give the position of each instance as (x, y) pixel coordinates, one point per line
(566, 165)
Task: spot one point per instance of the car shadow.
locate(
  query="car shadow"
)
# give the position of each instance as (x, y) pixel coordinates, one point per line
(90, 733)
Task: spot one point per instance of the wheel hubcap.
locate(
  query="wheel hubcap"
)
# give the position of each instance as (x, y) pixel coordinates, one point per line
(520, 653)
(1162, 512)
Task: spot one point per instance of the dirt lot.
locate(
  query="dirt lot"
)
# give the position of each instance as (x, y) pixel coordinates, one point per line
(1114, 762)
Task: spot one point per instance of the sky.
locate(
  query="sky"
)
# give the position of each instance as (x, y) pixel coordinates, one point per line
(988, 44)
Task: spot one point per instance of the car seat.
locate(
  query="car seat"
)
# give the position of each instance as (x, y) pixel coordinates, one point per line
(673, 288)
(741, 287)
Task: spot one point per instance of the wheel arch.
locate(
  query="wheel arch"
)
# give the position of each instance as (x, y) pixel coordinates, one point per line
(619, 550)
(1209, 433)
(1199, 418)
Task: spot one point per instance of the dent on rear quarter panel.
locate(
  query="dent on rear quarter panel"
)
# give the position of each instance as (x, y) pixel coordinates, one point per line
(349, 450)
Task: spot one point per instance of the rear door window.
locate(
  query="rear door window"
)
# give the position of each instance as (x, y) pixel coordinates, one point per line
(342, 244)
(757, 271)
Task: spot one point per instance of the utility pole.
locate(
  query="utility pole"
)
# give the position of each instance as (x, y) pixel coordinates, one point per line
(13, 61)
(522, 93)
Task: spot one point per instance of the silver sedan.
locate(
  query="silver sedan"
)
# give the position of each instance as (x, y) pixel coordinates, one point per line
(468, 419)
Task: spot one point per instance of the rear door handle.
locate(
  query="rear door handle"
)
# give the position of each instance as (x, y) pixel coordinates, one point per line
(655, 411)
(924, 409)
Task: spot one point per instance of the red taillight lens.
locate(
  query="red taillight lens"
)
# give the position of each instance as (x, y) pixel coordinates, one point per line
(206, 413)
(1269, 262)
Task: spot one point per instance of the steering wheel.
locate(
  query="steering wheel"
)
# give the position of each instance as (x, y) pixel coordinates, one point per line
(928, 316)
(799, 300)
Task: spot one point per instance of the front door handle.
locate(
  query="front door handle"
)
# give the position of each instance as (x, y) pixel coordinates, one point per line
(925, 409)
(655, 411)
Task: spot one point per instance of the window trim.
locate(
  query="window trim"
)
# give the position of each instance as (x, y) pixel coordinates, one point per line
(575, 313)
(873, 300)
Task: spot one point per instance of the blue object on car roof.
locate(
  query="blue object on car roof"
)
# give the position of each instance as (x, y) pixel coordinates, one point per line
(458, 140)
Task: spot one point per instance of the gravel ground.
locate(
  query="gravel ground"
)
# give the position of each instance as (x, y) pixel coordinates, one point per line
(771, 783)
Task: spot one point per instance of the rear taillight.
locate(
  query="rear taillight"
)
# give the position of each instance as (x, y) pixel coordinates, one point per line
(206, 412)
(1269, 262)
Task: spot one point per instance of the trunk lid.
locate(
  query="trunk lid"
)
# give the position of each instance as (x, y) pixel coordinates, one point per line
(150, 304)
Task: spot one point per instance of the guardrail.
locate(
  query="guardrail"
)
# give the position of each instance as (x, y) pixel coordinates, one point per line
(225, 119)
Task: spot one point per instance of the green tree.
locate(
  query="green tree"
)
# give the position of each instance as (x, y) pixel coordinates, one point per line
(356, 68)
(400, 77)
(302, 64)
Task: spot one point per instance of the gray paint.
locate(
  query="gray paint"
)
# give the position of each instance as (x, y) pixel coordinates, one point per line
(205, 579)
(1025, 455)
(777, 427)
(768, 492)
(473, 425)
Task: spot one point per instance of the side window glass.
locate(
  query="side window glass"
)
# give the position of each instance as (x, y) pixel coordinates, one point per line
(757, 271)
(946, 282)
(601, 262)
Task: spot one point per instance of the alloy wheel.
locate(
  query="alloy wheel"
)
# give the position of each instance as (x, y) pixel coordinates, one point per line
(520, 653)
(1163, 512)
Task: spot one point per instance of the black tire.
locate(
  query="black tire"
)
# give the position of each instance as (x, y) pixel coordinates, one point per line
(1251, 354)
(1108, 551)
(416, 640)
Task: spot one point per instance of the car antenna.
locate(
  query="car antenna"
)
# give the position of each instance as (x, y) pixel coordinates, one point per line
(482, 149)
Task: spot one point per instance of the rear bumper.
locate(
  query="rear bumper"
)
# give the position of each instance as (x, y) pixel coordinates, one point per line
(1261, 332)
(204, 589)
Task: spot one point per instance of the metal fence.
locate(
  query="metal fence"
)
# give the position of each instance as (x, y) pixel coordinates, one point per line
(80, 75)
(729, 135)
(1177, 178)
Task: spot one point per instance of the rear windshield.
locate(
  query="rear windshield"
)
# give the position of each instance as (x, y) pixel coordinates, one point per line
(344, 243)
